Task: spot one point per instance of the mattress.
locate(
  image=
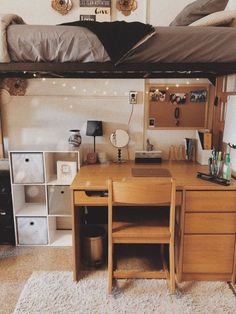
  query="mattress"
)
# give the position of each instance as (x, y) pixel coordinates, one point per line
(187, 45)
(45, 43)
(32, 43)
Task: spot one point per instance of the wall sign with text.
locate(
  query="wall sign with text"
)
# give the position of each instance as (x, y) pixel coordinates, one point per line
(95, 10)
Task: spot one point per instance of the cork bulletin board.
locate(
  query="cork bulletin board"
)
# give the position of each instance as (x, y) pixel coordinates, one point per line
(177, 106)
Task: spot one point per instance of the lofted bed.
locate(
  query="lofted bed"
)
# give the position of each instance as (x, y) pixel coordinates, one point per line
(75, 51)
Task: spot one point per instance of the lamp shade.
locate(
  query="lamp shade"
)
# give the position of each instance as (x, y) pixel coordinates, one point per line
(94, 128)
(230, 121)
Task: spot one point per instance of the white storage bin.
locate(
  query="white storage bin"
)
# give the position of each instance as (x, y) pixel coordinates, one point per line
(32, 230)
(59, 200)
(27, 168)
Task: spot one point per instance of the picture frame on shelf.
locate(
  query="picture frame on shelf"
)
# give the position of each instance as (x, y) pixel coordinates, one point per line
(66, 170)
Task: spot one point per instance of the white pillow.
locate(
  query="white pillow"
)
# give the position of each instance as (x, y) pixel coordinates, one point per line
(219, 18)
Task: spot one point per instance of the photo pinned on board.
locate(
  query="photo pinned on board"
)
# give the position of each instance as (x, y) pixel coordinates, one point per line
(198, 96)
(178, 98)
(157, 95)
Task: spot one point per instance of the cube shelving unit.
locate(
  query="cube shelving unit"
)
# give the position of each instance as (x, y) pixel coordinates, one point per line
(41, 197)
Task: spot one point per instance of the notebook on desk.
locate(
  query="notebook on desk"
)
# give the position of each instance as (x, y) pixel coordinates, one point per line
(150, 172)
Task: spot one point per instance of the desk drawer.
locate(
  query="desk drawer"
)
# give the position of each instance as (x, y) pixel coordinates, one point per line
(82, 198)
(209, 223)
(208, 254)
(211, 201)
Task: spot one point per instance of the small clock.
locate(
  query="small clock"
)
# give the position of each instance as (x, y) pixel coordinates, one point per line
(92, 158)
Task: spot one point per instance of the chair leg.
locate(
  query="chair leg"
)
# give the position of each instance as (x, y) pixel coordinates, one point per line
(172, 268)
(110, 267)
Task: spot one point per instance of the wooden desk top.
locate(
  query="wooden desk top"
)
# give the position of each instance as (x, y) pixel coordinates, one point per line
(94, 177)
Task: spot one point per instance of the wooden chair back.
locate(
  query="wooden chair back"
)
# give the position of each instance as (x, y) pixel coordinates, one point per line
(160, 192)
(148, 192)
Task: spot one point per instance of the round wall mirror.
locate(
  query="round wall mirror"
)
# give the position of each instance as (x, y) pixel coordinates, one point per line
(119, 139)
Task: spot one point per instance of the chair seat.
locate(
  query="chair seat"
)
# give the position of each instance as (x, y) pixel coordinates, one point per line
(138, 228)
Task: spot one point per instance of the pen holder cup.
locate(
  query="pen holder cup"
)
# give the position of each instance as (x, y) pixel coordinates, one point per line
(215, 168)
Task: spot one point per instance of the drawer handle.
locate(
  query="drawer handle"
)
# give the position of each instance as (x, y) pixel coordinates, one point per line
(3, 213)
(3, 190)
(31, 223)
(62, 192)
(96, 193)
(27, 160)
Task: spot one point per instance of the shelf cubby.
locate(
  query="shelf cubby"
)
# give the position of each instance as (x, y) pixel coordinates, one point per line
(60, 231)
(29, 200)
(51, 159)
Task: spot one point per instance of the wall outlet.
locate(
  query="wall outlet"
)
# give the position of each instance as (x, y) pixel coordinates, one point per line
(133, 97)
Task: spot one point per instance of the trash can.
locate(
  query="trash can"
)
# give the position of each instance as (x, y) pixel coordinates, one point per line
(93, 245)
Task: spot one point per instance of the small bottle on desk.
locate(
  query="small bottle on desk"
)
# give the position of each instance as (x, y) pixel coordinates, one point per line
(226, 173)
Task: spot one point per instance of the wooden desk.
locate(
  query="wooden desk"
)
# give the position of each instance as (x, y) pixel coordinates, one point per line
(205, 217)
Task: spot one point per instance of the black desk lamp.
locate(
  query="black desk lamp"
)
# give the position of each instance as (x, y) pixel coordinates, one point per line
(94, 128)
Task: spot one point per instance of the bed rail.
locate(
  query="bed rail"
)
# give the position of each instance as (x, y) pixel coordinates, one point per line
(125, 70)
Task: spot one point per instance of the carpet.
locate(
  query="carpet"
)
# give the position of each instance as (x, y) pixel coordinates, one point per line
(55, 293)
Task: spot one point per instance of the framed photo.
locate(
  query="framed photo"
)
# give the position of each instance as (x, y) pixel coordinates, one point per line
(178, 98)
(66, 171)
(198, 96)
(152, 122)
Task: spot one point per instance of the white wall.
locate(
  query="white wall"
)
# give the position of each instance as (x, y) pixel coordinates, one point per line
(51, 108)
(231, 5)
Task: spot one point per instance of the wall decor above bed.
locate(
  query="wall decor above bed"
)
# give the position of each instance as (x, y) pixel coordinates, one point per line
(95, 10)
(15, 86)
(126, 6)
(62, 6)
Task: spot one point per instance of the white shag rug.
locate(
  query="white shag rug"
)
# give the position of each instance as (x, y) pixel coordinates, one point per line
(57, 293)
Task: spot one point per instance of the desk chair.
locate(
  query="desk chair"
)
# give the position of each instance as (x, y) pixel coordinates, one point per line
(129, 229)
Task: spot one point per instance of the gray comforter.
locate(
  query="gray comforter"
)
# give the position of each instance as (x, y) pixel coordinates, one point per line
(188, 45)
(32, 43)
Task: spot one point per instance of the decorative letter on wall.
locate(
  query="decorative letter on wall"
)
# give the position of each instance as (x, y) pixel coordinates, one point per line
(62, 6)
(126, 6)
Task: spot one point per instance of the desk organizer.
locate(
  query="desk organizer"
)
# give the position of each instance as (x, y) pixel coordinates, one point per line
(208, 177)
